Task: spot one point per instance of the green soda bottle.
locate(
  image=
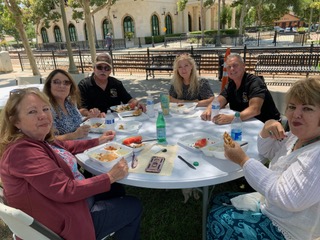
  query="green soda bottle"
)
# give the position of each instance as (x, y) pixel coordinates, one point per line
(161, 128)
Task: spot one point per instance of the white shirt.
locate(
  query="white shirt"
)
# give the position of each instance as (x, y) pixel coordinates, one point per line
(291, 186)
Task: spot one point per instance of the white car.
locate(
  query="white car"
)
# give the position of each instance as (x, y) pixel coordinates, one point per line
(278, 29)
(290, 29)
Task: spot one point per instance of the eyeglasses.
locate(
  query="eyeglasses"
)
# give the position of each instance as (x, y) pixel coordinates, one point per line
(106, 68)
(23, 90)
(64, 82)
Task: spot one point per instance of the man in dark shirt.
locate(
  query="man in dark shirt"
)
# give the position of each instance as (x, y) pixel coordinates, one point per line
(245, 93)
(102, 91)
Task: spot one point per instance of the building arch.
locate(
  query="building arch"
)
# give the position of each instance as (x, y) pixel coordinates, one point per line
(128, 25)
(72, 32)
(57, 34)
(44, 35)
(189, 23)
(155, 28)
(168, 24)
(106, 27)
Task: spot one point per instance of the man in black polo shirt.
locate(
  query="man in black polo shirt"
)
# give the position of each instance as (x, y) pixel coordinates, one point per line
(102, 91)
(245, 93)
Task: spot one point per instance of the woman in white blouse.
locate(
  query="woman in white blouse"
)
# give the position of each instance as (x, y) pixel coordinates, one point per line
(287, 205)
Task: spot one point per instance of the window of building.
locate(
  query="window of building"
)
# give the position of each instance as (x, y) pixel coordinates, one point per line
(128, 25)
(72, 33)
(44, 35)
(189, 23)
(155, 25)
(57, 34)
(105, 29)
(168, 21)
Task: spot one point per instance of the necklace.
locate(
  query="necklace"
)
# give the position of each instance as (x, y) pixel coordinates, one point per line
(306, 143)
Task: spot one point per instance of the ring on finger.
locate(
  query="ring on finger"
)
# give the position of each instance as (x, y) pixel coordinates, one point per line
(270, 132)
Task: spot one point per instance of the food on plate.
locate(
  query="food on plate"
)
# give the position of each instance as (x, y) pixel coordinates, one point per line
(96, 125)
(228, 140)
(180, 104)
(121, 127)
(123, 108)
(200, 143)
(105, 157)
(137, 112)
(110, 148)
(133, 139)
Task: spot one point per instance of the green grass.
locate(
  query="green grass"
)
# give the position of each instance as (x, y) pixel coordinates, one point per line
(165, 216)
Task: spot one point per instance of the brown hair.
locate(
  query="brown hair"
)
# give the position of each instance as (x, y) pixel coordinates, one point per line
(74, 95)
(9, 116)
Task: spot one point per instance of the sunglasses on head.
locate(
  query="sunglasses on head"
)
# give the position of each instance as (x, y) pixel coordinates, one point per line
(23, 90)
(64, 82)
(106, 68)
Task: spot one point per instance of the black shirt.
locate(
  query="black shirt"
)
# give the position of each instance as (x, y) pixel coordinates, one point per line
(251, 86)
(92, 96)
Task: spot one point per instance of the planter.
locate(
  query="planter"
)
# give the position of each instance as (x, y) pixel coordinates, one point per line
(226, 40)
(129, 44)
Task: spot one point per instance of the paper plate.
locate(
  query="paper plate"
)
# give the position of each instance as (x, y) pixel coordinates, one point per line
(188, 141)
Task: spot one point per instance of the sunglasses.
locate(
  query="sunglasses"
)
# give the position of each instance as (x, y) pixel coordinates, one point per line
(23, 90)
(64, 82)
(106, 68)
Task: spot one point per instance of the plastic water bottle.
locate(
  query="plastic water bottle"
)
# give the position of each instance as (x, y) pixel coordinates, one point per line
(150, 106)
(215, 107)
(109, 121)
(236, 127)
(161, 128)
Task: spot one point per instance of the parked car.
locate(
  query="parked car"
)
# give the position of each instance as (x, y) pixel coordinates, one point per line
(290, 29)
(278, 29)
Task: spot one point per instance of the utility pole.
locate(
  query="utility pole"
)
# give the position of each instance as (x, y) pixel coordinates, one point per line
(72, 66)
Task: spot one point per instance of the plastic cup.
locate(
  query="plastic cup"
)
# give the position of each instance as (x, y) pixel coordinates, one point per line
(165, 103)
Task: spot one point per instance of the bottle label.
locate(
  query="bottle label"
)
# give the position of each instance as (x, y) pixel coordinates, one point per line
(161, 134)
(149, 102)
(109, 121)
(236, 134)
(215, 107)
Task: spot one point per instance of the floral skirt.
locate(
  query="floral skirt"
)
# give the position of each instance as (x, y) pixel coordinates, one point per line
(225, 222)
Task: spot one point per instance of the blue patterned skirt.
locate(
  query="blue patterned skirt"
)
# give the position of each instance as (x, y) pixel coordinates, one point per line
(225, 222)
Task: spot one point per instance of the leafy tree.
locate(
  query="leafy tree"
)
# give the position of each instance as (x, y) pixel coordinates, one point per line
(15, 10)
(90, 7)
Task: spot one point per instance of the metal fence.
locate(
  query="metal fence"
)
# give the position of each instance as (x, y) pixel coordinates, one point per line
(136, 61)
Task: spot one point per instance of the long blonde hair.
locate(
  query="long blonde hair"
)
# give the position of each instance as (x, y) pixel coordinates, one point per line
(9, 116)
(177, 80)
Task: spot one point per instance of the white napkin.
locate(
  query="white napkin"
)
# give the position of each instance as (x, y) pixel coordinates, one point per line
(249, 201)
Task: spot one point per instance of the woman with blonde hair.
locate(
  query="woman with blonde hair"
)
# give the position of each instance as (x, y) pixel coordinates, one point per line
(185, 84)
(40, 176)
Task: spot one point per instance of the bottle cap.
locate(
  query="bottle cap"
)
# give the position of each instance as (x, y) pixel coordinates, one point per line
(195, 164)
(237, 114)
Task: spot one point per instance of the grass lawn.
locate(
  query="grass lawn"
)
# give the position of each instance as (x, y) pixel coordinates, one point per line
(165, 216)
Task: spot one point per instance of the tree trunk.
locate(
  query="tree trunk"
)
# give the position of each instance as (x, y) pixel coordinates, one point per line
(242, 16)
(16, 12)
(91, 36)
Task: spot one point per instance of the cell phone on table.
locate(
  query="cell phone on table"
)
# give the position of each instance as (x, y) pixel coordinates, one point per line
(155, 164)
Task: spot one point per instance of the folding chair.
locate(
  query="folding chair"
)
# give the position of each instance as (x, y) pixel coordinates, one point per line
(24, 226)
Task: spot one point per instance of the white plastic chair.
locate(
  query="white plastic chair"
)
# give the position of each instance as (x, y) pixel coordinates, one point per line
(24, 226)
(29, 80)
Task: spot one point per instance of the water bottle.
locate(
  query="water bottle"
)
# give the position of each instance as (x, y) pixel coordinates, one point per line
(236, 127)
(150, 106)
(109, 121)
(215, 107)
(161, 128)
